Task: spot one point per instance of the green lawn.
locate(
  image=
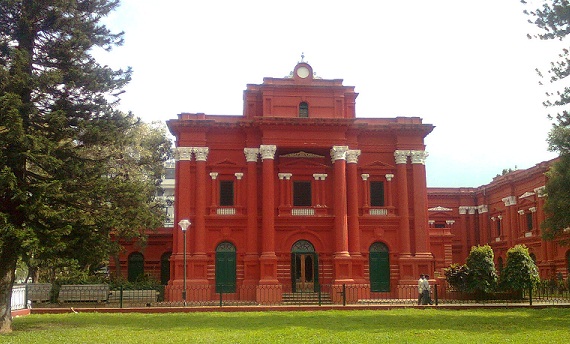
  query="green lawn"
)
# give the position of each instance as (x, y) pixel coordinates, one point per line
(382, 326)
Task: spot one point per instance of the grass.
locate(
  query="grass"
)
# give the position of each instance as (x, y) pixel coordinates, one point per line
(382, 326)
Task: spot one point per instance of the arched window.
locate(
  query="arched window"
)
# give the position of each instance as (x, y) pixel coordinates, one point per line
(303, 110)
(225, 268)
(379, 266)
(135, 266)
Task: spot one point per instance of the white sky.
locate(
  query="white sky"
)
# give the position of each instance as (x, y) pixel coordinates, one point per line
(466, 67)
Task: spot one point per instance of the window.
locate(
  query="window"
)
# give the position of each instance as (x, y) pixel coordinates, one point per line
(377, 194)
(529, 225)
(302, 194)
(303, 110)
(226, 193)
(439, 225)
(135, 266)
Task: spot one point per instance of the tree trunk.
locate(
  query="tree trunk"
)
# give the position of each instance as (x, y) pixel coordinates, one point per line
(8, 260)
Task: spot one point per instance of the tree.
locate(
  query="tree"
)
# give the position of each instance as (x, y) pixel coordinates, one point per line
(70, 169)
(482, 278)
(457, 277)
(553, 19)
(520, 272)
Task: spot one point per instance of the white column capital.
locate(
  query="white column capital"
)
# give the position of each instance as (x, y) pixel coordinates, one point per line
(365, 176)
(450, 222)
(267, 151)
(286, 176)
(482, 209)
(521, 212)
(321, 176)
(389, 177)
(540, 191)
(183, 153)
(352, 156)
(251, 154)
(532, 209)
(418, 156)
(401, 156)
(201, 153)
(238, 175)
(510, 200)
(214, 175)
(338, 153)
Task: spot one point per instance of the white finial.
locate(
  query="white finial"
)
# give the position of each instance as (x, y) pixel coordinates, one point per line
(302, 57)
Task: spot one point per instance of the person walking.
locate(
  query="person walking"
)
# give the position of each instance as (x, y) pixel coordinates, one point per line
(426, 289)
(421, 290)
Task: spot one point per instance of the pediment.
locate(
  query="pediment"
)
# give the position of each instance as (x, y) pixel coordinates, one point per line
(302, 155)
(378, 165)
(225, 163)
(440, 208)
(301, 163)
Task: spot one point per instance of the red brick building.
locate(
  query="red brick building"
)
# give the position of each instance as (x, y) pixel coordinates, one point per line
(299, 192)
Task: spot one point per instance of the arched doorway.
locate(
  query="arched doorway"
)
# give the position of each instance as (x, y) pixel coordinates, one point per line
(226, 268)
(304, 267)
(135, 266)
(165, 268)
(379, 265)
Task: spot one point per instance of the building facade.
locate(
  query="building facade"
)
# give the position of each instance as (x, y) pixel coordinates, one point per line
(299, 192)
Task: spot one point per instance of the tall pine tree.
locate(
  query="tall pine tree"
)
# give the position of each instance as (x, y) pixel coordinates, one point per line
(553, 18)
(71, 168)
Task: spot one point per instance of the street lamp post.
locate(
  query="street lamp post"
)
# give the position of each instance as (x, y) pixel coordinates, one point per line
(184, 224)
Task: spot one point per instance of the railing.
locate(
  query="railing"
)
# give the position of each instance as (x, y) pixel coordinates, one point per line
(247, 295)
(303, 212)
(18, 300)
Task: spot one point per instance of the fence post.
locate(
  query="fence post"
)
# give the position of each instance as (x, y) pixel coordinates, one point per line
(221, 294)
(121, 296)
(320, 294)
(530, 294)
(344, 294)
(435, 295)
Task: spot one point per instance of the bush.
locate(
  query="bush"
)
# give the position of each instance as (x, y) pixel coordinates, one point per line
(482, 277)
(457, 275)
(521, 272)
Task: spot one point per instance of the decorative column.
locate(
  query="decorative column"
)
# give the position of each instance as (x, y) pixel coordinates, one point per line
(464, 232)
(182, 207)
(215, 202)
(483, 211)
(341, 258)
(285, 191)
(389, 201)
(201, 155)
(251, 179)
(352, 199)
(268, 258)
(239, 177)
(511, 219)
(401, 157)
(320, 189)
(338, 156)
(251, 258)
(420, 203)
(366, 196)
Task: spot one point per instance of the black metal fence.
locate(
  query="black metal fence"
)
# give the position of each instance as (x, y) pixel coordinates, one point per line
(102, 295)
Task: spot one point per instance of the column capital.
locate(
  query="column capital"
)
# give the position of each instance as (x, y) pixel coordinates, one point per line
(267, 151)
(540, 191)
(352, 156)
(389, 177)
(338, 153)
(510, 200)
(401, 156)
(201, 153)
(238, 175)
(320, 176)
(482, 209)
(365, 176)
(183, 153)
(418, 156)
(214, 175)
(286, 176)
(251, 154)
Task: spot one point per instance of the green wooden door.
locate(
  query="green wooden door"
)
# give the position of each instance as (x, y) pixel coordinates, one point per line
(379, 268)
(304, 267)
(225, 268)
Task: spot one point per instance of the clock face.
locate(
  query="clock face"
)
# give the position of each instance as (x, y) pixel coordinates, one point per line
(302, 72)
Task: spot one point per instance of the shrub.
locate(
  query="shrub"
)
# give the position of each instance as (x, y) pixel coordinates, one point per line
(482, 277)
(520, 272)
(456, 275)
